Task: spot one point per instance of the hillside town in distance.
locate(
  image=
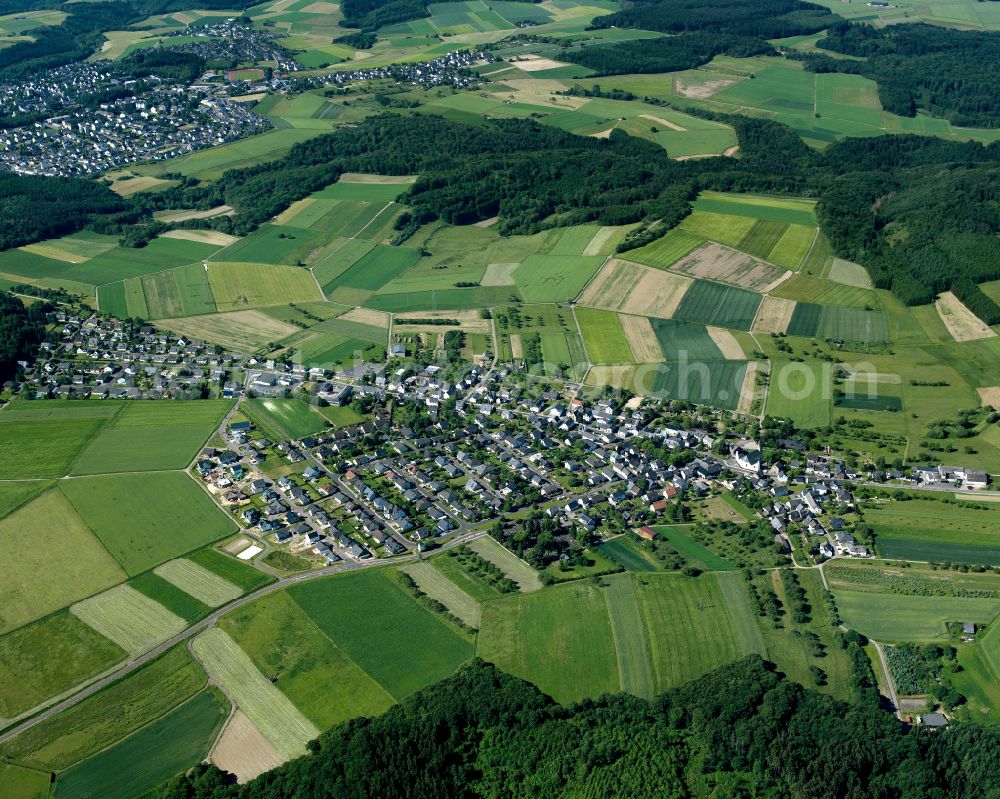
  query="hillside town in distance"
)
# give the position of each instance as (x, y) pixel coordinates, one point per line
(442, 450)
(93, 116)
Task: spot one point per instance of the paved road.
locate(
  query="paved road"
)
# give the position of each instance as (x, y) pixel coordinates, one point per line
(207, 622)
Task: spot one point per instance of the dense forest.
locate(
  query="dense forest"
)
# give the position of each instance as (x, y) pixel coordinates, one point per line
(34, 207)
(668, 54)
(699, 31)
(370, 15)
(950, 73)
(741, 731)
(22, 329)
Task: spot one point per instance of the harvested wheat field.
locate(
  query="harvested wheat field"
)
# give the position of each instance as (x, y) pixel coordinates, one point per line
(701, 89)
(725, 265)
(635, 289)
(534, 63)
(367, 316)
(727, 343)
(748, 393)
(243, 751)
(774, 315)
(641, 339)
(202, 236)
(184, 215)
(990, 395)
(960, 321)
(516, 346)
(469, 321)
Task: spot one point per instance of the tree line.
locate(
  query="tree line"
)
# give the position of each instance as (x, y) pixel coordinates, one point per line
(741, 731)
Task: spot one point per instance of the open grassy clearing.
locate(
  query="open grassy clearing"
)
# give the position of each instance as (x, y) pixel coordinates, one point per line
(384, 645)
(47, 658)
(150, 436)
(628, 552)
(14, 494)
(198, 581)
(635, 668)
(560, 639)
(47, 537)
(17, 782)
(109, 715)
(317, 676)
(269, 709)
(677, 536)
(179, 740)
(635, 289)
(169, 515)
(433, 583)
(132, 620)
(505, 560)
(230, 569)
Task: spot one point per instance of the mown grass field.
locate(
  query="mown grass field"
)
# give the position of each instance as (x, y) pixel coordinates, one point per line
(635, 667)
(15, 494)
(433, 583)
(47, 657)
(676, 535)
(375, 622)
(628, 553)
(559, 638)
(667, 249)
(149, 436)
(923, 529)
(689, 626)
(49, 559)
(142, 761)
(505, 560)
(168, 515)
(17, 782)
(471, 584)
(236, 286)
(128, 617)
(230, 569)
(199, 582)
(147, 694)
(603, 336)
(317, 676)
(269, 709)
(555, 278)
(170, 597)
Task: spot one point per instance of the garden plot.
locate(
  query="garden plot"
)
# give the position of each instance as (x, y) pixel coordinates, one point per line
(716, 262)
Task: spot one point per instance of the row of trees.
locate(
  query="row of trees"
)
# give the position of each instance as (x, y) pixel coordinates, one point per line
(742, 730)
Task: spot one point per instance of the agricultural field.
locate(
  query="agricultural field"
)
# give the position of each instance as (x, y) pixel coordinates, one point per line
(150, 436)
(179, 739)
(169, 515)
(802, 392)
(199, 582)
(893, 617)
(628, 553)
(603, 336)
(236, 286)
(383, 644)
(46, 536)
(284, 418)
(520, 572)
(718, 305)
(44, 439)
(132, 620)
(110, 715)
(17, 782)
(269, 709)
(433, 583)
(926, 529)
(243, 331)
(48, 657)
(559, 638)
(321, 681)
(635, 666)
(838, 323)
(725, 265)
(676, 535)
(635, 289)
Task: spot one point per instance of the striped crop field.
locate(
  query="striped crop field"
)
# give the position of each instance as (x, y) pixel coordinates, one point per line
(199, 582)
(129, 618)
